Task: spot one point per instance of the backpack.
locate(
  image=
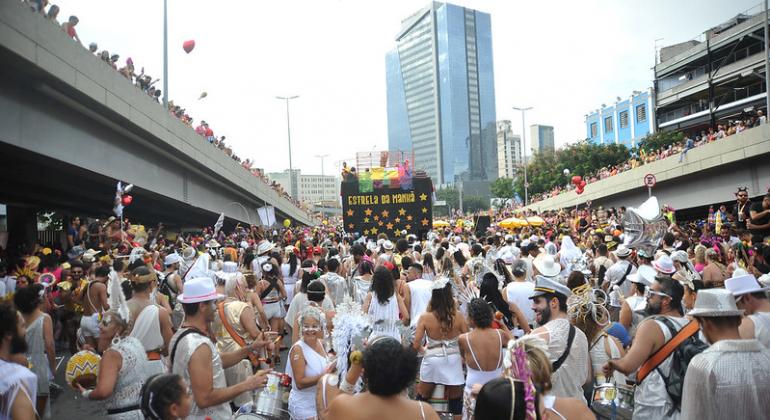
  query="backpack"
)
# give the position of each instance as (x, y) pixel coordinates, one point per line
(165, 288)
(680, 359)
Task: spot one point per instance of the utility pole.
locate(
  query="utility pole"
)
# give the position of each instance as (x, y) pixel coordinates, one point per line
(292, 181)
(165, 54)
(524, 150)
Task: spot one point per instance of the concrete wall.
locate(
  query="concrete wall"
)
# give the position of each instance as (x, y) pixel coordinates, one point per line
(710, 174)
(125, 117)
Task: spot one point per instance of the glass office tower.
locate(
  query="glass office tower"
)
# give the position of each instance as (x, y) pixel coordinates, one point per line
(441, 96)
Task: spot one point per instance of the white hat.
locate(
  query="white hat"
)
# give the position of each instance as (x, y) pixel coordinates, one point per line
(387, 245)
(213, 244)
(664, 264)
(743, 285)
(546, 265)
(623, 251)
(680, 256)
(764, 279)
(507, 257)
(545, 285)
(172, 258)
(265, 247)
(644, 275)
(714, 303)
(199, 289)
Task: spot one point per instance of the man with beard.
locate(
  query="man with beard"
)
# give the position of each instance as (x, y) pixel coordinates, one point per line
(18, 385)
(742, 209)
(664, 300)
(567, 345)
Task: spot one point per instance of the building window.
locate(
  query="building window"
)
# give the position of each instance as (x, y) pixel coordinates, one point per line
(623, 117)
(641, 113)
(593, 130)
(608, 125)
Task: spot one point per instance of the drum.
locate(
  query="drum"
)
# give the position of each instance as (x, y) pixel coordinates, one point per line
(83, 368)
(613, 401)
(272, 401)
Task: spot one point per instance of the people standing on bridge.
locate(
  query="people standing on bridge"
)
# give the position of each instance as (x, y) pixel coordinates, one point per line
(69, 28)
(689, 144)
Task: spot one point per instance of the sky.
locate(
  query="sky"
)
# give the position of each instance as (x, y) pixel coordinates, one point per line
(564, 58)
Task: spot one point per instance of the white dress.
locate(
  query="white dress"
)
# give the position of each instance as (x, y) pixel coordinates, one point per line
(131, 377)
(518, 293)
(302, 401)
(147, 330)
(289, 281)
(384, 317)
(599, 357)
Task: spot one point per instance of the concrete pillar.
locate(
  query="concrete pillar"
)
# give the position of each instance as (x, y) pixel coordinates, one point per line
(22, 229)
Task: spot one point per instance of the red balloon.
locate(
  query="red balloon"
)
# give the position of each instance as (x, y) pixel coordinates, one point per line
(126, 200)
(579, 190)
(576, 179)
(188, 46)
(582, 184)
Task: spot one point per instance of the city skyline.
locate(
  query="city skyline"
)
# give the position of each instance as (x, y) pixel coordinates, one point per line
(545, 57)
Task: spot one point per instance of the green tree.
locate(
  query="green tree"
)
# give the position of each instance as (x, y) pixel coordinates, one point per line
(472, 203)
(450, 195)
(502, 188)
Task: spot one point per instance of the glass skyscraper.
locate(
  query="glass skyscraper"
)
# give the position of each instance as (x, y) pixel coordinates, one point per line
(441, 94)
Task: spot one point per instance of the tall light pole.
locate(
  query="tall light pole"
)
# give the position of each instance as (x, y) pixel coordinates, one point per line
(767, 66)
(293, 186)
(322, 157)
(165, 54)
(524, 150)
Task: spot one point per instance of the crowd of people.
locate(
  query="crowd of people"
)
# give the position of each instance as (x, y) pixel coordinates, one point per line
(146, 83)
(641, 156)
(523, 323)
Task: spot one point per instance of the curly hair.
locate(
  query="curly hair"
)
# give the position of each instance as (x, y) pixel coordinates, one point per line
(389, 367)
(480, 313)
(382, 284)
(28, 298)
(442, 304)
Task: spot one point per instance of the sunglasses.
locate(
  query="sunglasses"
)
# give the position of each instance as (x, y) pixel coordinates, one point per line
(310, 329)
(648, 293)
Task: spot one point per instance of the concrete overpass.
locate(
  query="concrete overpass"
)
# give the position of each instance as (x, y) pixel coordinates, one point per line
(71, 126)
(710, 174)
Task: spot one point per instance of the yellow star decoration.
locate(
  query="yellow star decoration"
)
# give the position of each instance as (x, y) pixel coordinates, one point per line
(380, 223)
(397, 232)
(374, 230)
(366, 220)
(424, 209)
(424, 222)
(350, 212)
(397, 219)
(350, 226)
(366, 232)
(408, 227)
(423, 197)
(409, 217)
(385, 214)
(401, 211)
(368, 212)
(376, 217)
(389, 226)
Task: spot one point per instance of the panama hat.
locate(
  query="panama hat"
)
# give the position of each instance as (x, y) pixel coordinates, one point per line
(715, 303)
(199, 289)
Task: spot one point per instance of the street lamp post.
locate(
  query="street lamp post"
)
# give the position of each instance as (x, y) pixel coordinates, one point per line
(322, 157)
(293, 185)
(165, 54)
(524, 150)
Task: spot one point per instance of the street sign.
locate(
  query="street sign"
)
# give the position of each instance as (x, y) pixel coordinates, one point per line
(649, 180)
(440, 203)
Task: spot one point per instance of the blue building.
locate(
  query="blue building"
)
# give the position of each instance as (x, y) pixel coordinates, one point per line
(625, 122)
(441, 94)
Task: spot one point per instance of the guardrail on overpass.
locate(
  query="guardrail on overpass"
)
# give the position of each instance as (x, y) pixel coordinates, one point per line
(42, 55)
(709, 174)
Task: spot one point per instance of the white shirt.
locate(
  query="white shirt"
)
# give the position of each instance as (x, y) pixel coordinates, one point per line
(614, 274)
(518, 293)
(420, 291)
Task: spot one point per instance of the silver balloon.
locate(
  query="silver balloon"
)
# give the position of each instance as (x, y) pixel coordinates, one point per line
(566, 172)
(644, 227)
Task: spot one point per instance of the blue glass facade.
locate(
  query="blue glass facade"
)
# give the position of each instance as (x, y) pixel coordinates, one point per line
(441, 103)
(625, 122)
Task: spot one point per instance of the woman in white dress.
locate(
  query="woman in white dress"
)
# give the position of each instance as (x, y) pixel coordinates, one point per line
(122, 370)
(385, 307)
(308, 364)
(290, 271)
(362, 281)
(40, 344)
(437, 336)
